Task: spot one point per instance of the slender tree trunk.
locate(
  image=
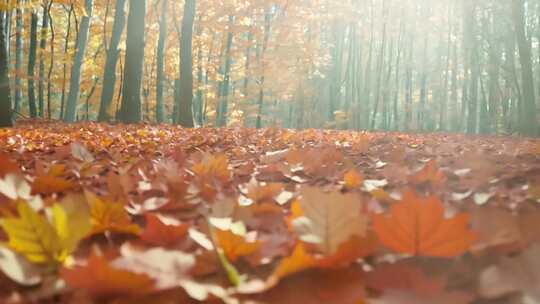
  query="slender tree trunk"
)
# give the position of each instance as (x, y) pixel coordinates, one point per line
(185, 100)
(51, 65)
(529, 124)
(19, 45)
(113, 53)
(76, 69)
(443, 117)
(163, 32)
(223, 91)
(380, 70)
(395, 116)
(199, 117)
(130, 111)
(43, 59)
(454, 90)
(64, 68)
(267, 28)
(32, 66)
(474, 64)
(5, 91)
(421, 118)
(494, 73)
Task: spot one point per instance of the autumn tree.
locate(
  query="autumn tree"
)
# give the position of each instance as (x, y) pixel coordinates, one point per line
(5, 91)
(160, 61)
(528, 123)
(130, 111)
(113, 53)
(76, 70)
(185, 96)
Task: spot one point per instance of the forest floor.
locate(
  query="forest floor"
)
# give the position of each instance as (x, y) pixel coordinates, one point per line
(95, 213)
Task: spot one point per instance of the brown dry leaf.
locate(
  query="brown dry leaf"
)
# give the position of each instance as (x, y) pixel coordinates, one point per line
(329, 219)
(404, 276)
(494, 227)
(513, 274)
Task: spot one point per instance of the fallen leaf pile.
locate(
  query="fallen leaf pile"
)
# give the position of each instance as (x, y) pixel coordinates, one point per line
(96, 213)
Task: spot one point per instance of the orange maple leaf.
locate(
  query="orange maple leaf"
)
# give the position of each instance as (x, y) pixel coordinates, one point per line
(160, 234)
(7, 165)
(235, 246)
(99, 278)
(213, 168)
(49, 184)
(417, 225)
(352, 179)
(110, 216)
(298, 261)
(430, 173)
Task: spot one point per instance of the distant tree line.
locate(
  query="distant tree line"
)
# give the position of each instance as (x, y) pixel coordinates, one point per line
(405, 65)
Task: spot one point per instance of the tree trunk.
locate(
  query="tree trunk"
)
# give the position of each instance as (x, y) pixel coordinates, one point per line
(163, 31)
(528, 123)
(64, 68)
(109, 75)
(223, 91)
(76, 69)
(199, 117)
(443, 117)
(130, 111)
(32, 66)
(5, 92)
(19, 58)
(185, 100)
(267, 24)
(42, 59)
(472, 53)
(51, 65)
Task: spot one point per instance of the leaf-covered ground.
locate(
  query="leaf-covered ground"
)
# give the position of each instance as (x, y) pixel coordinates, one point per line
(157, 214)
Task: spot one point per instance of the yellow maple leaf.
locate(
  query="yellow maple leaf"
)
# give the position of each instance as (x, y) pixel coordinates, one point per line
(41, 241)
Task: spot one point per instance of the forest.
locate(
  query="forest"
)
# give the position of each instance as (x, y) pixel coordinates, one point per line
(460, 66)
(270, 151)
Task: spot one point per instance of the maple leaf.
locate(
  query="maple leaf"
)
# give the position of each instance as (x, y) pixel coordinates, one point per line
(159, 233)
(213, 167)
(262, 193)
(32, 235)
(329, 219)
(352, 179)
(109, 216)
(235, 246)
(417, 226)
(430, 173)
(49, 184)
(298, 261)
(99, 278)
(7, 165)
